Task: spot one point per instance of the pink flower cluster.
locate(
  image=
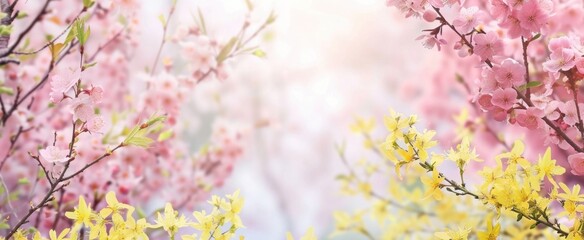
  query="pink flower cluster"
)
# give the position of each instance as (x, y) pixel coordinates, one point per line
(520, 64)
(72, 106)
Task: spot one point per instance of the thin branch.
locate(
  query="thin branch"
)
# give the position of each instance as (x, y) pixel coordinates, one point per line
(100, 48)
(164, 32)
(21, 36)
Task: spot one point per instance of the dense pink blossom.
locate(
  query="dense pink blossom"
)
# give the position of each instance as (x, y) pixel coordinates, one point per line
(530, 118)
(509, 72)
(487, 45)
(531, 16)
(504, 98)
(563, 60)
(570, 112)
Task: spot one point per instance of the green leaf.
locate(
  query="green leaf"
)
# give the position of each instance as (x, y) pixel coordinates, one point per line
(21, 15)
(162, 19)
(141, 213)
(155, 119)
(519, 217)
(6, 90)
(3, 15)
(137, 136)
(23, 181)
(529, 85)
(122, 20)
(459, 78)
(140, 141)
(41, 174)
(70, 36)
(88, 3)
(88, 65)
(56, 49)
(5, 30)
(4, 225)
(272, 18)
(224, 53)
(165, 135)
(202, 21)
(533, 226)
(259, 53)
(249, 5)
(81, 34)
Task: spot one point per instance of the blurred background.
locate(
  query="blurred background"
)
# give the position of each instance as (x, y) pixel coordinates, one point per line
(326, 62)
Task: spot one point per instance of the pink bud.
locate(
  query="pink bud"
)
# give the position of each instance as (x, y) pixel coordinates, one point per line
(429, 16)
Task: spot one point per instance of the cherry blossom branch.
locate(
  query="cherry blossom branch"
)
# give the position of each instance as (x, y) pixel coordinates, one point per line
(102, 47)
(21, 36)
(97, 160)
(580, 124)
(18, 101)
(57, 185)
(7, 9)
(558, 130)
(466, 42)
(164, 32)
(53, 40)
(524, 45)
(59, 212)
(13, 140)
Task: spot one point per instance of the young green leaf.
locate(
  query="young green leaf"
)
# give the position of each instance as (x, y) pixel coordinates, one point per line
(88, 3)
(259, 53)
(224, 53)
(6, 90)
(165, 135)
(202, 21)
(529, 85)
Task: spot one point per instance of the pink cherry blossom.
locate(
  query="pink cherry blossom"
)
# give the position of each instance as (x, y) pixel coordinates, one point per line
(513, 26)
(468, 19)
(570, 112)
(82, 108)
(487, 45)
(96, 95)
(531, 16)
(430, 41)
(499, 114)
(504, 98)
(95, 124)
(54, 154)
(201, 53)
(557, 44)
(484, 101)
(510, 72)
(577, 163)
(61, 82)
(499, 9)
(564, 60)
(530, 118)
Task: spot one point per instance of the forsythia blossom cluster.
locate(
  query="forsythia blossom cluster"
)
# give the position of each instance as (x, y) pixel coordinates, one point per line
(514, 197)
(119, 220)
